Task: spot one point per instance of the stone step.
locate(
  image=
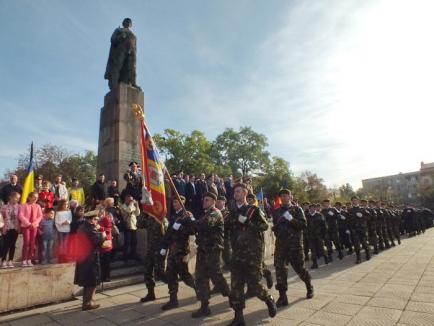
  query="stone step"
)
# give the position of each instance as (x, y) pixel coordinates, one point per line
(127, 271)
(121, 281)
(118, 264)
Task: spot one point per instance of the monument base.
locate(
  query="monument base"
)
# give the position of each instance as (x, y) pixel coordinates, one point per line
(119, 133)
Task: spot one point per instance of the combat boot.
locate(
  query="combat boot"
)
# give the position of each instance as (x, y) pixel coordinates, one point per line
(399, 240)
(368, 255)
(150, 296)
(375, 250)
(315, 263)
(271, 305)
(282, 301)
(358, 259)
(340, 255)
(203, 311)
(173, 302)
(238, 319)
(268, 278)
(309, 293)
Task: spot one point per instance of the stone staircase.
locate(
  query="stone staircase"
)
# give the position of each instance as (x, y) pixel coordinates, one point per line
(124, 274)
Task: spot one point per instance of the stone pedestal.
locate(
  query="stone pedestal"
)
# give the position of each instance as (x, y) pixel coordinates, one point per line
(119, 133)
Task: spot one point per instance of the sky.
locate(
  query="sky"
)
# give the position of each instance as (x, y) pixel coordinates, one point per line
(340, 88)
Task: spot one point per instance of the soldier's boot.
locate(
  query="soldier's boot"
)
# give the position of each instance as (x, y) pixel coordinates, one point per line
(392, 243)
(358, 259)
(271, 305)
(368, 255)
(268, 278)
(326, 260)
(203, 311)
(238, 319)
(399, 241)
(309, 288)
(150, 296)
(173, 302)
(375, 250)
(315, 263)
(341, 254)
(282, 301)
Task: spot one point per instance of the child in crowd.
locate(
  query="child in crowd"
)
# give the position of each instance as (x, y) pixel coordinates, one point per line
(46, 197)
(63, 221)
(30, 215)
(10, 229)
(47, 232)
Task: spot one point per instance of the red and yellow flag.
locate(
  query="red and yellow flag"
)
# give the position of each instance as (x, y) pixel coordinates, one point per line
(153, 171)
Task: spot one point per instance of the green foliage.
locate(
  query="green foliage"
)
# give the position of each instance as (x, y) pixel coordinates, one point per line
(276, 176)
(243, 151)
(346, 191)
(313, 186)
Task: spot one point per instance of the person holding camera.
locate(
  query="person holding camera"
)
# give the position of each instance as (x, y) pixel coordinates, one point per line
(87, 269)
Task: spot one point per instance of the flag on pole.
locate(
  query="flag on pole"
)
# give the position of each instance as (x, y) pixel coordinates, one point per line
(153, 169)
(29, 182)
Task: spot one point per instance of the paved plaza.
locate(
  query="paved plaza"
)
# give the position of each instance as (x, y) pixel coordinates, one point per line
(393, 288)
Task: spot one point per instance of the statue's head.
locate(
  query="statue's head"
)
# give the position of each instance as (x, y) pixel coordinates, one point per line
(127, 22)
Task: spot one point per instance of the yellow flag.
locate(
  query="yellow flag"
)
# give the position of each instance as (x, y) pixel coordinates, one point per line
(29, 182)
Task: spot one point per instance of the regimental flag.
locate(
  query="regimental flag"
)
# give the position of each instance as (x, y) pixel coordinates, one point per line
(29, 182)
(154, 194)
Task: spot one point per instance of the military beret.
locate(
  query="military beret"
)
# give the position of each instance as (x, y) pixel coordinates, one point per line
(284, 192)
(223, 198)
(326, 201)
(363, 201)
(211, 195)
(371, 201)
(354, 197)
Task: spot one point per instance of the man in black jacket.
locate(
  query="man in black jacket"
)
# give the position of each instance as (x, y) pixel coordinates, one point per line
(99, 190)
(11, 187)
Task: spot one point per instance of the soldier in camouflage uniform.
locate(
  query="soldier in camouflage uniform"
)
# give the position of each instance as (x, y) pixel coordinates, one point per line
(389, 223)
(266, 273)
(305, 207)
(359, 229)
(288, 225)
(227, 250)
(396, 222)
(316, 230)
(331, 217)
(372, 223)
(176, 241)
(246, 223)
(383, 242)
(154, 262)
(343, 227)
(209, 239)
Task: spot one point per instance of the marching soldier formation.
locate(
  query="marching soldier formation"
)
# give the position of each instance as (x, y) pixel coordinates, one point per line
(232, 237)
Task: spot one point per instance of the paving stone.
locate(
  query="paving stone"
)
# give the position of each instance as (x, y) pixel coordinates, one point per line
(427, 307)
(294, 313)
(33, 320)
(424, 297)
(328, 319)
(342, 308)
(353, 299)
(393, 303)
(417, 318)
(379, 313)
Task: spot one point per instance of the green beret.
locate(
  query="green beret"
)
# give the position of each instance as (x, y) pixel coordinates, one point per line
(211, 195)
(284, 192)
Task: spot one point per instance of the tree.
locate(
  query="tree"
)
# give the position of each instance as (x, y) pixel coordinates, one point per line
(243, 151)
(346, 191)
(276, 176)
(313, 186)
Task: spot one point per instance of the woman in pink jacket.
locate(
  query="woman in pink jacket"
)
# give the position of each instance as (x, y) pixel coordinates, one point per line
(30, 216)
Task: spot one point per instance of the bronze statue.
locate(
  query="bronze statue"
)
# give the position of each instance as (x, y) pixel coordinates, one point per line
(121, 64)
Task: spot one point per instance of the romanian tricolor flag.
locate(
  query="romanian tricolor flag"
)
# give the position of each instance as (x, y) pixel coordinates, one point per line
(153, 170)
(29, 182)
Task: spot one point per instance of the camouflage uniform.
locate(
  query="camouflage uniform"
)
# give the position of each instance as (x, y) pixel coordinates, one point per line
(246, 265)
(359, 229)
(289, 246)
(177, 242)
(209, 239)
(316, 230)
(383, 242)
(331, 217)
(154, 262)
(372, 228)
(227, 250)
(344, 230)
